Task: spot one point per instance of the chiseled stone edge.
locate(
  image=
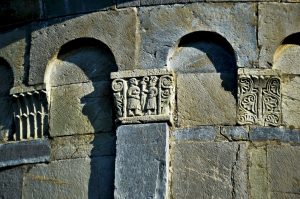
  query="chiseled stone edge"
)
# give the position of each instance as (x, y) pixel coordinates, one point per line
(237, 133)
(144, 119)
(270, 133)
(139, 73)
(203, 133)
(25, 152)
(22, 89)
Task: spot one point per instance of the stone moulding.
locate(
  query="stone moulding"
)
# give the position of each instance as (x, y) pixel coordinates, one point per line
(30, 113)
(142, 96)
(259, 97)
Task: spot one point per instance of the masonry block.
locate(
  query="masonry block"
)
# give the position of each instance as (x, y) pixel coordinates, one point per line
(141, 162)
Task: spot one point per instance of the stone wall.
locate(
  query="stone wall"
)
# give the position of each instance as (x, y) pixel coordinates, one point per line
(149, 99)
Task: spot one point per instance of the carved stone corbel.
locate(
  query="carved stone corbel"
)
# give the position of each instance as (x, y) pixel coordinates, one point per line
(143, 95)
(259, 97)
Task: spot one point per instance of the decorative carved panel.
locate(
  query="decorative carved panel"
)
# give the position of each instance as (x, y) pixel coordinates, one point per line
(30, 114)
(259, 99)
(143, 95)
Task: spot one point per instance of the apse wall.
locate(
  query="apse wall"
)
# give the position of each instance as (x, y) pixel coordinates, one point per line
(149, 99)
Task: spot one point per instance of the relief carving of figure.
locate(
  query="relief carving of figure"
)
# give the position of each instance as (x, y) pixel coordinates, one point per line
(144, 92)
(133, 96)
(151, 106)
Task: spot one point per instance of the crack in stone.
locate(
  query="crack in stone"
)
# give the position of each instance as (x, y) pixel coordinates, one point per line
(233, 168)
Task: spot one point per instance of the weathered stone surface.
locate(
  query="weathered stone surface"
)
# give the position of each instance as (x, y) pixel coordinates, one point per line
(278, 195)
(13, 12)
(80, 109)
(205, 99)
(259, 97)
(203, 52)
(159, 2)
(17, 153)
(12, 50)
(141, 162)
(6, 118)
(258, 179)
(291, 101)
(274, 26)
(280, 134)
(77, 178)
(71, 147)
(143, 95)
(127, 3)
(208, 170)
(286, 58)
(163, 26)
(55, 8)
(283, 169)
(11, 183)
(117, 29)
(89, 63)
(234, 133)
(205, 133)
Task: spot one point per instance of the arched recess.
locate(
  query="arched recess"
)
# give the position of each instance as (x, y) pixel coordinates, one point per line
(80, 99)
(286, 58)
(6, 83)
(79, 88)
(287, 61)
(205, 64)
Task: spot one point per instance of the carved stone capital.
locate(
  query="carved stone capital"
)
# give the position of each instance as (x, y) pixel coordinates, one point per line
(30, 113)
(259, 97)
(143, 95)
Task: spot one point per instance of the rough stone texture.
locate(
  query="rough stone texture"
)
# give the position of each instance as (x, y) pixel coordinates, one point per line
(71, 147)
(11, 183)
(283, 170)
(280, 134)
(286, 57)
(159, 2)
(291, 101)
(24, 152)
(215, 104)
(6, 118)
(234, 133)
(163, 26)
(205, 133)
(203, 53)
(141, 162)
(117, 29)
(274, 26)
(77, 178)
(89, 63)
(273, 171)
(127, 3)
(208, 170)
(55, 8)
(258, 179)
(13, 12)
(12, 50)
(80, 109)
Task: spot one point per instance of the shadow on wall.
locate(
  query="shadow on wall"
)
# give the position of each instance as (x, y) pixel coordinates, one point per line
(287, 54)
(6, 83)
(81, 103)
(206, 52)
(12, 12)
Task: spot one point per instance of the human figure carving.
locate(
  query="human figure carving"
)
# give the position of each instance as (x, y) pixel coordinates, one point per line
(133, 95)
(151, 106)
(144, 92)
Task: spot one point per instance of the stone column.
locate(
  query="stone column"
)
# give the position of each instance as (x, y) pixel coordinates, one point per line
(142, 161)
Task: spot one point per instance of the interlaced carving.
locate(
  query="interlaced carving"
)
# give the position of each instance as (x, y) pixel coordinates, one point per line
(30, 115)
(259, 100)
(144, 97)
